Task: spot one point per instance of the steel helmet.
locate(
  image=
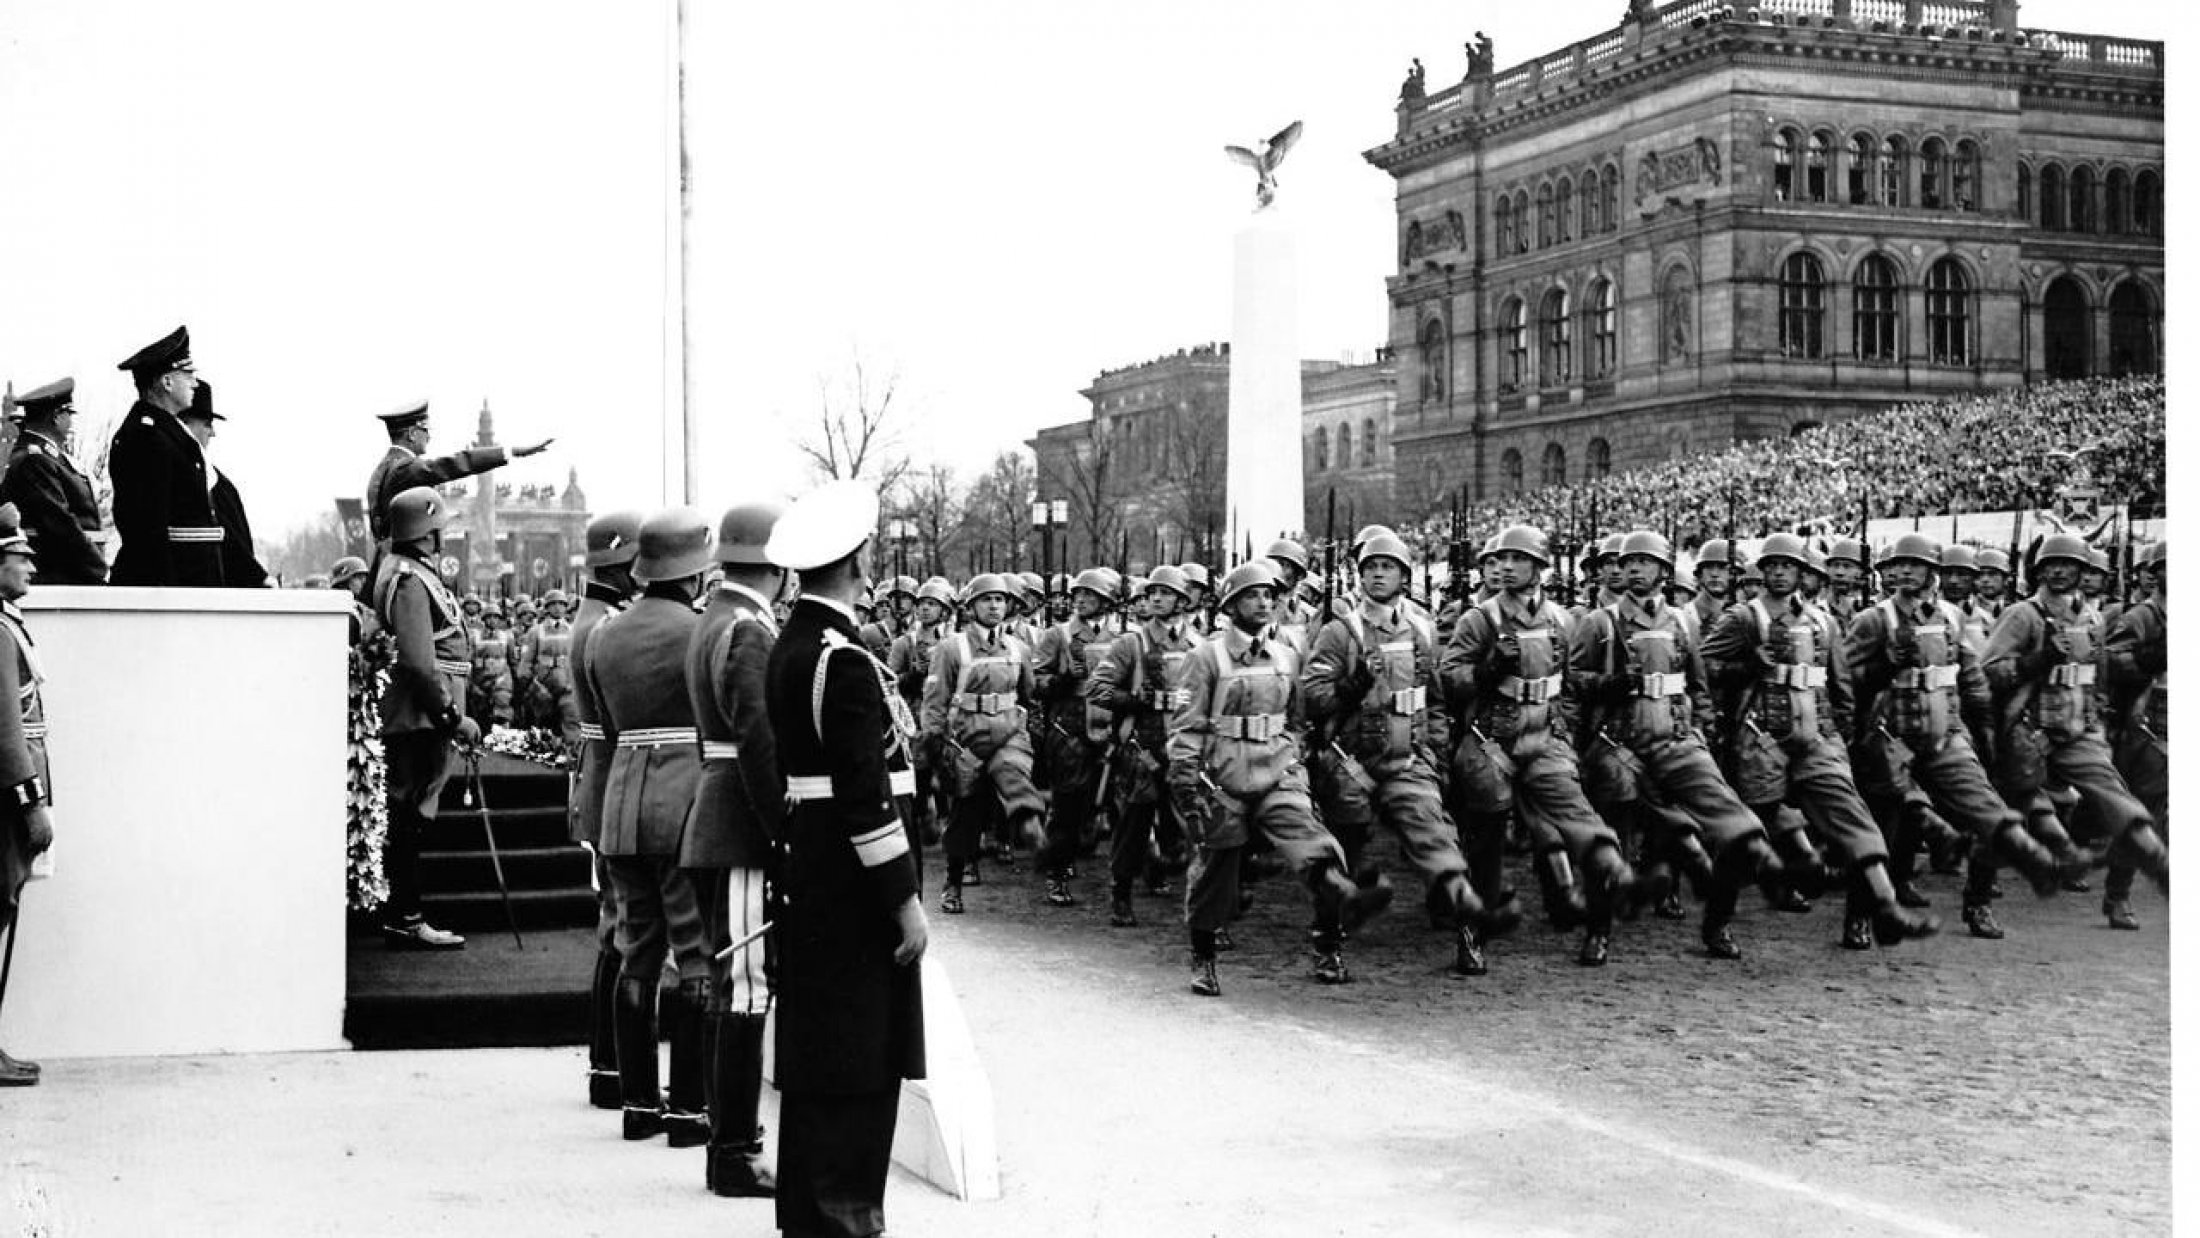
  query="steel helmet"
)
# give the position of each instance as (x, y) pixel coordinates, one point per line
(1250, 575)
(2097, 559)
(904, 585)
(1522, 539)
(1059, 585)
(1094, 580)
(1783, 546)
(1958, 558)
(1915, 547)
(1609, 547)
(1683, 581)
(1170, 578)
(987, 582)
(1846, 549)
(1034, 585)
(1993, 560)
(556, 597)
(612, 538)
(1384, 546)
(1135, 586)
(352, 565)
(743, 530)
(1359, 539)
(2154, 554)
(1488, 550)
(2061, 546)
(1195, 574)
(1717, 550)
(1284, 550)
(415, 514)
(675, 543)
(935, 589)
(867, 599)
(1646, 542)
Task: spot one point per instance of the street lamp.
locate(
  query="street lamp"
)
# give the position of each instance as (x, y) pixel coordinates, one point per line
(1047, 516)
(901, 532)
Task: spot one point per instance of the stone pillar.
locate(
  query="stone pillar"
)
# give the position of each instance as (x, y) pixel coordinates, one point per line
(1264, 474)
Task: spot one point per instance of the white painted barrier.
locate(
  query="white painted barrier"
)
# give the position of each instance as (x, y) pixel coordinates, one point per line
(197, 901)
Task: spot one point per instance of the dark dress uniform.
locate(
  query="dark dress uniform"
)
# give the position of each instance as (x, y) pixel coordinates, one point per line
(420, 712)
(850, 1019)
(60, 510)
(240, 567)
(400, 470)
(164, 509)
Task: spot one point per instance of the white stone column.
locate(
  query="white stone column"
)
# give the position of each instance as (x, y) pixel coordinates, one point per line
(1265, 471)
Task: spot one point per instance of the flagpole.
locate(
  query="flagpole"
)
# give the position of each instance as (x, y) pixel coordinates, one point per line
(690, 485)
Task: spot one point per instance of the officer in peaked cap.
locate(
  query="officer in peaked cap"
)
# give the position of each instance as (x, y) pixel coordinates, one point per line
(240, 567)
(24, 791)
(407, 463)
(850, 927)
(59, 507)
(164, 513)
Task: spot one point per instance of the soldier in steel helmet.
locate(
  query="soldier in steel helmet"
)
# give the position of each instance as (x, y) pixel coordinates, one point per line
(637, 673)
(1234, 768)
(910, 661)
(1062, 668)
(1133, 686)
(2136, 655)
(546, 665)
(421, 707)
(1715, 572)
(975, 699)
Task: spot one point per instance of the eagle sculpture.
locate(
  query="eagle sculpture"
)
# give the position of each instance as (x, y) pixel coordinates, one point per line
(1264, 161)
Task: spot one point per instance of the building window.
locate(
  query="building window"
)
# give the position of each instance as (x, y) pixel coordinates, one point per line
(1677, 316)
(1783, 165)
(1554, 465)
(1965, 174)
(2116, 218)
(1344, 445)
(1592, 204)
(1948, 313)
(2081, 199)
(1510, 469)
(1861, 155)
(1516, 344)
(1432, 360)
(1608, 186)
(1600, 460)
(2024, 192)
(1802, 306)
(1504, 223)
(1367, 443)
(1877, 310)
(1932, 166)
(1556, 327)
(1565, 209)
(2146, 203)
(2052, 200)
(1602, 311)
(1546, 217)
(1523, 223)
(1893, 155)
(1321, 449)
(1814, 169)
(2130, 330)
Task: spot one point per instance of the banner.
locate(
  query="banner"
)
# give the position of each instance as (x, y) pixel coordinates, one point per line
(351, 517)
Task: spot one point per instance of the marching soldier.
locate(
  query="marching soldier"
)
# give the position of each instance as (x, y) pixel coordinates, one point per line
(1198, 618)
(2137, 658)
(1714, 581)
(1778, 664)
(489, 683)
(910, 660)
(546, 658)
(1503, 679)
(1063, 666)
(973, 722)
(1233, 760)
(1135, 685)
(1640, 688)
(850, 927)
(1993, 583)
(613, 540)
(1294, 616)
(240, 568)
(25, 790)
(420, 706)
(59, 507)
(2040, 660)
(1366, 689)
(469, 606)
(888, 617)
(407, 463)
(1959, 588)
(736, 823)
(164, 512)
(637, 673)
(1914, 682)
(1850, 591)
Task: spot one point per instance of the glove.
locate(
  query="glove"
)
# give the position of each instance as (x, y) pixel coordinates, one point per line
(40, 827)
(468, 733)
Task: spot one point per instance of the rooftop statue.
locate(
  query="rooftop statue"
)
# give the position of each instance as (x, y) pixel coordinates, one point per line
(1264, 162)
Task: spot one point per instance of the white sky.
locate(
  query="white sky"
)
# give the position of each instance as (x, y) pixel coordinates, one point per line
(466, 199)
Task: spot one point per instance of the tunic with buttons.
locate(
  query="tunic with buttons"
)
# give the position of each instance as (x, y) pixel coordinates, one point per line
(739, 800)
(598, 603)
(637, 668)
(23, 775)
(164, 511)
(60, 511)
(433, 658)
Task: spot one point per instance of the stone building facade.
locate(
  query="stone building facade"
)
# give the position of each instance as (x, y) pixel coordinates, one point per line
(1720, 222)
(527, 539)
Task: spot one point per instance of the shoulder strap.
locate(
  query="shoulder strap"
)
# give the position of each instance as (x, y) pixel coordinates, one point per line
(962, 672)
(1222, 681)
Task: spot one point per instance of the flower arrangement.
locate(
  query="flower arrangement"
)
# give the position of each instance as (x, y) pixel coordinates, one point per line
(540, 745)
(366, 804)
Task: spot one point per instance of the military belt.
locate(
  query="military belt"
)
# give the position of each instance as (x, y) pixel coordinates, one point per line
(986, 702)
(1802, 678)
(34, 730)
(1530, 691)
(1407, 702)
(1928, 678)
(1253, 726)
(656, 736)
(2071, 675)
(192, 533)
(592, 730)
(721, 750)
(1663, 683)
(808, 788)
(452, 666)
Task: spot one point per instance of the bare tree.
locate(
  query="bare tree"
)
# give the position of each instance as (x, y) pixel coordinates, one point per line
(857, 433)
(306, 549)
(1084, 476)
(1190, 491)
(998, 514)
(932, 501)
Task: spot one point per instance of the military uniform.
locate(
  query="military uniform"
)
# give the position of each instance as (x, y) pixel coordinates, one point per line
(420, 713)
(489, 685)
(164, 510)
(909, 660)
(592, 764)
(1061, 669)
(2136, 659)
(975, 699)
(59, 506)
(401, 468)
(1135, 686)
(25, 783)
(547, 665)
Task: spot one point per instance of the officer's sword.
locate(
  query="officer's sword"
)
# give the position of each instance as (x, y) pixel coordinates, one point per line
(738, 946)
(496, 861)
(7, 964)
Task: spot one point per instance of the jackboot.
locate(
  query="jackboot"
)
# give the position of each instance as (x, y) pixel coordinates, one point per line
(1870, 886)
(687, 1031)
(733, 1165)
(1563, 900)
(1802, 867)
(2141, 848)
(2012, 842)
(1348, 903)
(1486, 921)
(603, 1048)
(635, 1018)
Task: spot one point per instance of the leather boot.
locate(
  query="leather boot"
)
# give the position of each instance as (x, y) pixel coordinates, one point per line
(603, 1048)
(687, 1033)
(734, 1166)
(1694, 863)
(1484, 922)
(21, 1066)
(2142, 848)
(1892, 923)
(1563, 900)
(635, 1021)
(2024, 853)
(1353, 902)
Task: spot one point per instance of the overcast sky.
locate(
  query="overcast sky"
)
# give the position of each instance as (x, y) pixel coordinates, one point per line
(356, 205)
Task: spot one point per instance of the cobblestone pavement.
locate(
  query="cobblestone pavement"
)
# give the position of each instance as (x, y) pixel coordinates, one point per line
(2025, 1080)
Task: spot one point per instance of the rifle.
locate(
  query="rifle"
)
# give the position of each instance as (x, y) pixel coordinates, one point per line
(1329, 568)
(1864, 550)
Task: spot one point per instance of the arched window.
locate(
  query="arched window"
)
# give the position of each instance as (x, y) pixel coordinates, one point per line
(1554, 465)
(1433, 358)
(1964, 173)
(1592, 204)
(1893, 156)
(2081, 199)
(2131, 347)
(1948, 313)
(1509, 469)
(1600, 460)
(2053, 202)
(1932, 169)
(2116, 214)
(1878, 315)
(1504, 223)
(1783, 164)
(1367, 443)
(1676, 316)
(1565, 209)
(2068, 323)
(1546, 217)
(1344, 445)
(2024, 192)
(1321, 449)
(2146, 203)
(1862, 152)
(1556, 327)
(1515, 344)
(1608, 185)
(1802, 306)
(1602, 312)
(1814, 168)
(1523, 223)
